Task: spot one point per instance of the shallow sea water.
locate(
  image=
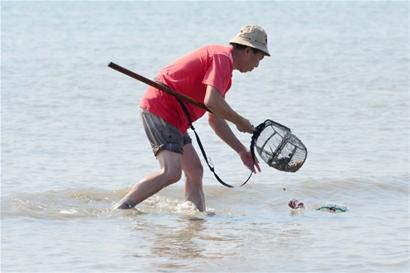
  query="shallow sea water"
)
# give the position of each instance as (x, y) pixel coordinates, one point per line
(73, 144)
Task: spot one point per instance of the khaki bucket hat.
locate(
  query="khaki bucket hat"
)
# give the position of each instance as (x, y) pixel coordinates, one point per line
(253, 36)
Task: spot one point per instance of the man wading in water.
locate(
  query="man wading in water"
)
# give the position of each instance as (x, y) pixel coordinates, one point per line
(204, 75)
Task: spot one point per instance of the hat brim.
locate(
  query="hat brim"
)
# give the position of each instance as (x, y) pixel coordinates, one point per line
(256, 45)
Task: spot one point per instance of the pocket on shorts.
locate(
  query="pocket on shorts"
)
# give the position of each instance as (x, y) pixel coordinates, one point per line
(161, 134)
(172, 134)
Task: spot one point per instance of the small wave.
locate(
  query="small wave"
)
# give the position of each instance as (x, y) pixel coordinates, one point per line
(91, 203)
(59, 204)
(159, 204)
(370, 186)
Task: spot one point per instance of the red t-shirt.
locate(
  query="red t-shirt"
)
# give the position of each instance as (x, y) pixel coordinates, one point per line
(190, 75)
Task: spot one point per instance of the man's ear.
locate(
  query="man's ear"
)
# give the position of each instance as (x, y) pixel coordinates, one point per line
(248, 50)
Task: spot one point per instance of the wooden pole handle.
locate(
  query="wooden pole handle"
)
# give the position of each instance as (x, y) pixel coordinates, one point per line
(158, 85)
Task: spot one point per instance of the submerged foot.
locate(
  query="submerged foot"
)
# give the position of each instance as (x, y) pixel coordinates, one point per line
(124, 205)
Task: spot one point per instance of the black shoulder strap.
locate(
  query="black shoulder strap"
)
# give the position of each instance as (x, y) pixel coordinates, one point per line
(211, 167)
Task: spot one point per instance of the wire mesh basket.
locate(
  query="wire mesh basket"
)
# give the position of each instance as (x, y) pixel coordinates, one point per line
(278, 147)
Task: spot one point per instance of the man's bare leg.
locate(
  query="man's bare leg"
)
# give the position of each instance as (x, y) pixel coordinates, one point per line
(169, 173)
(192, 167)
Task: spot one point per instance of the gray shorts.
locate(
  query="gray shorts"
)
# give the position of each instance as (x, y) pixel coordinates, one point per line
(162, 135)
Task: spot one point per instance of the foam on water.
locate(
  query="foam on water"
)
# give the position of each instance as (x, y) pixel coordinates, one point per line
(95, 202)
(90, 203)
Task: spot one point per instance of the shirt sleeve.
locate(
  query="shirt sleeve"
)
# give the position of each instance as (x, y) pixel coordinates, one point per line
(219, 73)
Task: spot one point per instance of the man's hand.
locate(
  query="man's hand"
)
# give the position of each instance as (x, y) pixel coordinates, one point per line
(244, 126)
(247, 160)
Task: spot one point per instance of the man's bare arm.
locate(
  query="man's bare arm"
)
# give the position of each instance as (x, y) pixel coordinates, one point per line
(217, 104)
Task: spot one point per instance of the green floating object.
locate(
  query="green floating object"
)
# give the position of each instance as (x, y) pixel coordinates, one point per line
(332, 208)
